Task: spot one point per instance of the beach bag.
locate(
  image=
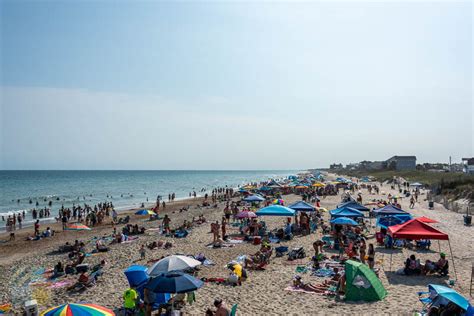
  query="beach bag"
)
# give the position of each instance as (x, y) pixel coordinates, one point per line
(296, 253)
(233, 278)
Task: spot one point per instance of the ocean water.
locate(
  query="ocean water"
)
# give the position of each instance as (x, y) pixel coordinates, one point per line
(125, 189)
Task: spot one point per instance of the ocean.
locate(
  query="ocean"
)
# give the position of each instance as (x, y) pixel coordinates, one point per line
(125, 189)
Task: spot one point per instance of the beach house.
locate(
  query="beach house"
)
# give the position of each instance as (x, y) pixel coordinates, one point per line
(468, 165)
(401, 163)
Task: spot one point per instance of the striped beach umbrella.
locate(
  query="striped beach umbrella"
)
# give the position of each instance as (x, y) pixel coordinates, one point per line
(77, 226)
(145, 212)
(78, 309)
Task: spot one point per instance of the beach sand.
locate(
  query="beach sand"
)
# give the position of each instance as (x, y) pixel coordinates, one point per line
(264, 291)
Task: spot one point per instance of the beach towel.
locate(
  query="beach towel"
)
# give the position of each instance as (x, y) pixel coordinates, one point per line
(235, 241)
(301, 269)
(296, 289)
(323, 273)
(208, 263)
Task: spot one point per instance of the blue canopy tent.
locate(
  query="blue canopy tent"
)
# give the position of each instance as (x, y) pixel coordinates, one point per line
(138, 277)
(353, 204)
(345, 212)
(389, 209)
(390, 220)
(344, 221)
(254, 198)
(264, 188)
(276, 210)
(302, 206)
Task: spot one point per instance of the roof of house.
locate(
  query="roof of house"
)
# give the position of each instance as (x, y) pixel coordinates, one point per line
(407, 157)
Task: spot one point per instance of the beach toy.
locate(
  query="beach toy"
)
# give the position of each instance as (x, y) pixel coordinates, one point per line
(78, 309)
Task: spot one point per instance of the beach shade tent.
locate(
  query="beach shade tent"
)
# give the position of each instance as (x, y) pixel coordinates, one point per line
(344, 221)
(439, 293)
(254, 198)
(276, 210)
(362, 284)
(174, 282)
(145, 212)
(416, 184)
(353, 204)
(246, 214)
(389, 209)
(136, 275)
(302, 206)
(345, 212)
(427, 220)
(391, 220)
(77, 226)
(79, 309)
(172, 263)
(264, 188)
(318, 185)
(417, 230)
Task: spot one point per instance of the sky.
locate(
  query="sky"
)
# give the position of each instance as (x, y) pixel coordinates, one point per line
(233, 85)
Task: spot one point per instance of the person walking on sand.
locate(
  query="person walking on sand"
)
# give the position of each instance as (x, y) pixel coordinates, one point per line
(37, 227)
(142, 252)
(412, 202)
(166, 224)
(223, 228)
(371, 256)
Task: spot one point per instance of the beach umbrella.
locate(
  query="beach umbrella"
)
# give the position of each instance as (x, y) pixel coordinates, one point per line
(278, 202)
(78, 309)
(172, 263)
(145, 212)
(318, 185)
(136, 275)
(452, 296)
(275, 210)
(246, 214)
(301, 187)
(174, 282)
(427, 220)
(322, 209)
(344, 221)
(254, 198)
(77, 226)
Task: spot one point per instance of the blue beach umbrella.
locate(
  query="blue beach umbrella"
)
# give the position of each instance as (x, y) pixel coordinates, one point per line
(344, 221)
(145, 212)
(452, 296)
(275, 210)
(174, 282)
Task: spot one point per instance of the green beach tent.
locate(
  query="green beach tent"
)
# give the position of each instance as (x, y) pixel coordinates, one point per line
(362, 284)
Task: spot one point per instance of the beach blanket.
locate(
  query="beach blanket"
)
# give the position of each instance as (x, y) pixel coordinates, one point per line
(323, 273)
(208, 263)
(296, 289)
(130, 240)
(301, 269)
(235, 241)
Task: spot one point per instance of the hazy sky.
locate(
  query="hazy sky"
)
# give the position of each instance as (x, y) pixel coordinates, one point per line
(201, 85)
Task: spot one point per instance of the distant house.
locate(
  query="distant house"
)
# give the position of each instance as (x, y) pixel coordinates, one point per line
(401, 163)
(468, 165)
(336, 166)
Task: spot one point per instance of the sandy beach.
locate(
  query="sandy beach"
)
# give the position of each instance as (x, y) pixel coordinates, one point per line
(264, 291)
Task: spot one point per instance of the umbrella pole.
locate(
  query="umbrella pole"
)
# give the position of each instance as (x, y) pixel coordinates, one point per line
(439, 246)
(452, 258)
(391, 252)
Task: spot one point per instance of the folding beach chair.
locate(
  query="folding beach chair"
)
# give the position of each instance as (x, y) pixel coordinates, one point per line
(233, 310)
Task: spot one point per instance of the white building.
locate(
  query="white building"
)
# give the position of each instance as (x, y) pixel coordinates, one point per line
(468, 165)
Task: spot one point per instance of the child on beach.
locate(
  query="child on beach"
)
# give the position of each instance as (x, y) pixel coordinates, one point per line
(142, 252)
